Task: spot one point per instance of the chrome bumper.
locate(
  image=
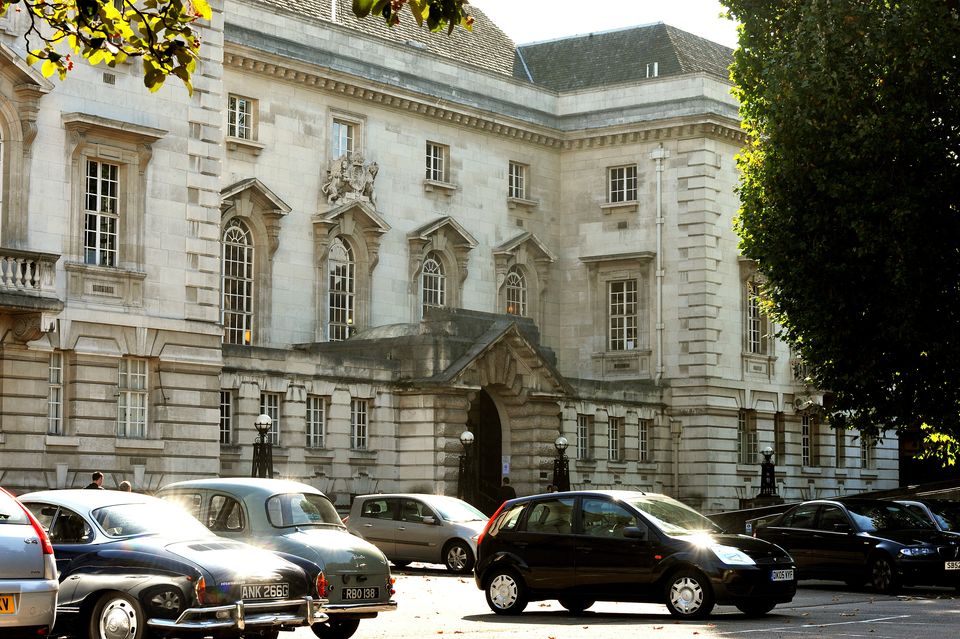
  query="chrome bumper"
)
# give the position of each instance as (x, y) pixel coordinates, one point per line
(242, 615)
(359, 608)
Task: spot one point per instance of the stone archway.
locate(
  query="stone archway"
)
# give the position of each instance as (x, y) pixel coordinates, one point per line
(484, 471)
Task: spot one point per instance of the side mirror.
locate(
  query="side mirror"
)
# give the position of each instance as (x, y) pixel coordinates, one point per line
(634, 532)
(429, 519)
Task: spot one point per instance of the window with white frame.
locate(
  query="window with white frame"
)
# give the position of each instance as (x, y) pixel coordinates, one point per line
(622, 184)
(868, 449)
(840, 444)
(646, 427)
(101, 213)
(226, 417)
(623, 314)
(584, 437)
(237, 284)
(809, 439)
(756, 320)
(433, 282)
(746, 437)
(516, 290)
(316, 421)
(240, 117)
(358, 424)
(437, 160)
(615, 439)
(132, 398)
(270, 406)
(341, 293)
(55, 394)
(517, 181)
(653, 69)
(343, 138)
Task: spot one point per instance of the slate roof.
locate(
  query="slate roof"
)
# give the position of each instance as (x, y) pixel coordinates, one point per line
(614, 57)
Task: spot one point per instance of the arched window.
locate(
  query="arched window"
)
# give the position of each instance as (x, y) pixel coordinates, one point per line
(516, 289)
(433, 282)
(237, 284)
(341, 295)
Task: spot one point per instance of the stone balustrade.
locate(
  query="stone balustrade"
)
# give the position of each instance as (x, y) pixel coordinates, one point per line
(27, 272)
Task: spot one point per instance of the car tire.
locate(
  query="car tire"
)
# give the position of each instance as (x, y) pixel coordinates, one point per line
(506, 593)
(117, 616)
(688, 594)
(883, 576)
(336, 628)
(756, 608)
(399, 564)
(575, 605)
(457, 557)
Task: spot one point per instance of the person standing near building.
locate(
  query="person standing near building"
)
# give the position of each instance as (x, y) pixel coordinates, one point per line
(126, 487)
(506, 490)
(97, 483)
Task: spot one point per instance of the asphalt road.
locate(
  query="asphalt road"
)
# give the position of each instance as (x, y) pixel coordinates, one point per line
(436, 604)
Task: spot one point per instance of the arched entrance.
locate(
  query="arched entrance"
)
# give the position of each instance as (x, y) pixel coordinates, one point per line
(483, 472)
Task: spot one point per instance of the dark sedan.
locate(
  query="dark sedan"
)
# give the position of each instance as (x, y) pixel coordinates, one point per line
(130, 564)
(862, 541)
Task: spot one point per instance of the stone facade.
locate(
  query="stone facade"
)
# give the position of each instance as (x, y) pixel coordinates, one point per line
(289, 192)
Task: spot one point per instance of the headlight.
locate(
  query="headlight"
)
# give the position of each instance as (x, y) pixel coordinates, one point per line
(732, 556)
(918, 551)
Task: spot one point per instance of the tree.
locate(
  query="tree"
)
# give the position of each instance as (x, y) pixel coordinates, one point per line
(165, 34)
(849, 203)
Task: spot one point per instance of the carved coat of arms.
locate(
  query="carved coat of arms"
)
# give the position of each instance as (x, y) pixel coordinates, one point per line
(350, 178)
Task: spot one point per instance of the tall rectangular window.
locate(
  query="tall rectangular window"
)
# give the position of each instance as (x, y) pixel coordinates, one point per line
(809, 438)
(240, 112)
(316, 420)
(358, 424)
(437, 162)
(584, 436)
(840, 444)
(343, 138)
(55, 394)
(615, 438)
(624, 318)
(868, 448)
(746, 437)
(270, 406)
(101, 213)
(780, 438)
(646, 426)
(622, 184)
(226, 417)
(132, 398)
(517, 182)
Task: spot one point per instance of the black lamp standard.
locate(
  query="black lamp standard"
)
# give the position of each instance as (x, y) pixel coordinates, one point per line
(464, 483)
(561, 465)
(768, 486)
(262, 448)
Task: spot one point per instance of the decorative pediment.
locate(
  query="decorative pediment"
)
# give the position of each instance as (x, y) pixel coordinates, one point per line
(356, 219)
(250, 199)
(444, 235)
(527, 249)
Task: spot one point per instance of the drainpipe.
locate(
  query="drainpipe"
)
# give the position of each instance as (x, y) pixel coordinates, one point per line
(659, 155)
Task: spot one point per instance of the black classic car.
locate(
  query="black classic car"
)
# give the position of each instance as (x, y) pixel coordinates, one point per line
(131, 564)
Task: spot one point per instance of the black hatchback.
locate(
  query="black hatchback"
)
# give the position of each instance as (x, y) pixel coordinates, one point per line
(587, 546)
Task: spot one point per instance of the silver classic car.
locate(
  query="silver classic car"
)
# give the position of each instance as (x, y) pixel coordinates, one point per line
(297, 519)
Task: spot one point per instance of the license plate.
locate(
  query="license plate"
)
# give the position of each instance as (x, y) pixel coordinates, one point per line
(265, 591)
(781, 575)
(361, 593)
(8, 605)
(952, 565)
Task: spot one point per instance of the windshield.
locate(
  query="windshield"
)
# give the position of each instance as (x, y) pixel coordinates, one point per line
(948, 515)
(153, 518)
(456, 510)
(873, 517)
(672, 517)
(302, 509)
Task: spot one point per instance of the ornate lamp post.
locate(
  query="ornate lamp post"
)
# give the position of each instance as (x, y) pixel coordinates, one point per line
(464, 484)
(768, 486)
(561, 465)
(262, 448)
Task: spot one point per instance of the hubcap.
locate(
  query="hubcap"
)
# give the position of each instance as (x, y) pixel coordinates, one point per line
(118, 620)
(686, 595)
(503, 591)
(457, 558)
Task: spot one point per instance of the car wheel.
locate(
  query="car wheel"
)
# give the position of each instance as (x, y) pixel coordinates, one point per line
(458, 557)
(399, 564)
(756, 608)
(506, 593)
(689, 595)
(336, 628)
(116, 616)
(883, 577)
(575, 605)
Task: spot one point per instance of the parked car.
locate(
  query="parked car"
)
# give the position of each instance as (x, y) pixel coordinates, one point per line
(131, 564)
(944, 514)
(28, 573)
(865, 540)
(417, 527)
(587, 546)
(296, 518)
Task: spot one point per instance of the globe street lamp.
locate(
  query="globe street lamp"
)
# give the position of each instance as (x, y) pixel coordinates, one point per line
(561, 465)
(262, 448)
(464, 490)
(768, 486)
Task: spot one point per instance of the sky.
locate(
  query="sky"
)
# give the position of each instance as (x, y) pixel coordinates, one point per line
(535, 20)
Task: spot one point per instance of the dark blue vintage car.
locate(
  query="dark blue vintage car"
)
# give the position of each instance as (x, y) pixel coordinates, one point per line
(130, 565)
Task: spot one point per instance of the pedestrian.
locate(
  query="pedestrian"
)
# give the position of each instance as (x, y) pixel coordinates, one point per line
(97, 483)
(126, 487)
(506, 490)
(551, 488)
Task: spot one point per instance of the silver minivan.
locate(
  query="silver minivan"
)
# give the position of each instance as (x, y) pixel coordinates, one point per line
(28, 573)
(418, 527)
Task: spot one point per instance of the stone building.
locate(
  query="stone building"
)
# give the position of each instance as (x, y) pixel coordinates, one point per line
(381, 239)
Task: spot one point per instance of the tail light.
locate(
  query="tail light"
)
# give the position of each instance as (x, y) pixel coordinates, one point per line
(487, 527)
(390, 582)
(322, 585)
(49, 562)
(201, 590)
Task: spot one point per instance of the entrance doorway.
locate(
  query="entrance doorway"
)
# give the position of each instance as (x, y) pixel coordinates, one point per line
(483, 473)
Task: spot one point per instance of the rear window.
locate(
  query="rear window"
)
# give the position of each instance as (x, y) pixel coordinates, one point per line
(301, 509)
(10, 511)
(507, 520)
